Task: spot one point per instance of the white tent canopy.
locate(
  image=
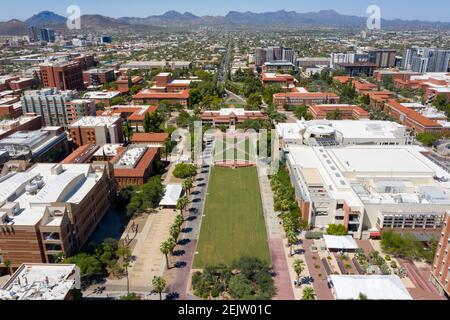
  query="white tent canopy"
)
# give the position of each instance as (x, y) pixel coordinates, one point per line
(340, 242)
(374, 287)
(173, 193)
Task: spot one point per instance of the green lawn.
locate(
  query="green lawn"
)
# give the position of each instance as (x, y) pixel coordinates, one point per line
(234, 224)
(241, 149)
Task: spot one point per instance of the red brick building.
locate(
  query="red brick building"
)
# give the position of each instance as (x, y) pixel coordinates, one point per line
(348, 112)
(63, 76)
(440, 275)
(304, 98)
(411, 118)
(97, 77)
(124, 85)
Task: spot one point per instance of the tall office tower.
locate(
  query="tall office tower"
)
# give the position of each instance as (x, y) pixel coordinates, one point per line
(270, 54)
(57, 108)
(47, 35)
(288, 55)
(383, 58)
(260, 56)
(278, 53)
(63, 75)
(438, 59)
(33, 34)
(426, 60)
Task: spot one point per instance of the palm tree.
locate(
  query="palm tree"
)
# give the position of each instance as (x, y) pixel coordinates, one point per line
(292, 239)
(182, 203)
(7, 264)
(187, 185)
(179, 221)
(299, 266)
(165, 250)
(159, 284)
(309, 294)
(174, 231)
(172, 243)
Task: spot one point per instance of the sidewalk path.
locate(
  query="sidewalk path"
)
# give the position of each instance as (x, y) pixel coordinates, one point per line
(283, 281)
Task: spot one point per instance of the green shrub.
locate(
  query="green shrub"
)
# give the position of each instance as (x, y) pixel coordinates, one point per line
(394, 265)
(313, 235)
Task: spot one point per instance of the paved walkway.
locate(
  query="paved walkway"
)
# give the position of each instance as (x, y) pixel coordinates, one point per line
(283, 280)
(178, 279)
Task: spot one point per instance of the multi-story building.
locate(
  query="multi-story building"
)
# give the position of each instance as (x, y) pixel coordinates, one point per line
(104, 98)
(230, 116)
(346, 111)
(57, 108)
(23, 123)
(300, 96)
(62, 75)
(382, 58)
(284, 80)
(411, 118)
(133, 165)
(98, 77)
(357, 69)
(50, 209)
(390, 188)
(33, 34)
(96, 130)
(426, 60)
(134, 115)
(167, 89)
(42, 282)
(342, 132)
(440, 274)
(34, 145)
(273, 54)
(47, 35)
(124, 84)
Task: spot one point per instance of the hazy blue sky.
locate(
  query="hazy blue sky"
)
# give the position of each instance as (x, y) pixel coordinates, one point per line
(433, 10)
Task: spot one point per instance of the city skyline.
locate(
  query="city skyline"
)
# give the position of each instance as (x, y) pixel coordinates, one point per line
(137, 8)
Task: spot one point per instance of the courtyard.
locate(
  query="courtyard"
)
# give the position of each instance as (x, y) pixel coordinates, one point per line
(233, 224)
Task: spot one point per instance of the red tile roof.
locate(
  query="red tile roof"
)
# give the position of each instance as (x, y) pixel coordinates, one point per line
(149, 137)
(147, 94)
(412, 115)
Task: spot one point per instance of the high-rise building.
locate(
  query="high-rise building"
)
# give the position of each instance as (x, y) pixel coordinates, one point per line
(274, 54)
(96, 130)
(57, 108)
(383, 58)
(63, 75)
(33, 34)
(426, 60)
(104, 39)
(47, 35)
(50, 209)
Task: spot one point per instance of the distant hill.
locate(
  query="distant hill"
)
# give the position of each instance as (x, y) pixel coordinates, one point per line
(13, 27)
(98, 23)
(45, 18)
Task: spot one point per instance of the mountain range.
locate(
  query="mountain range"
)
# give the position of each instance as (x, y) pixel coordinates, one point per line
(282, 18)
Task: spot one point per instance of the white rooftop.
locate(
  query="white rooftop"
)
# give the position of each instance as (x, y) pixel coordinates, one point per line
(340, 242)
(41, 282)
(95, 121)
(390, 287)
(101, 95)
(131, 156)
(43, 184)
(172, 194)
(110, 150)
